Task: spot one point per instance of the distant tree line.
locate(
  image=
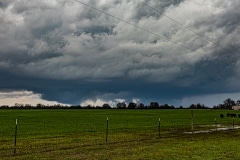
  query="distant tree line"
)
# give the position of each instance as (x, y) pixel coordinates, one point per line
(227, 104)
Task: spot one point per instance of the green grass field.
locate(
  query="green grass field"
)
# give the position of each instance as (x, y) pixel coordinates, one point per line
(132, 134)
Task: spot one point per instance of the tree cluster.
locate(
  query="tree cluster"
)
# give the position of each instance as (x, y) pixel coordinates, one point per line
(227, 104)
(152, 105)
(122, 105)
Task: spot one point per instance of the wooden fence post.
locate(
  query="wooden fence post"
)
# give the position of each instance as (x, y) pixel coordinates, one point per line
(216, 123)
(233, 122)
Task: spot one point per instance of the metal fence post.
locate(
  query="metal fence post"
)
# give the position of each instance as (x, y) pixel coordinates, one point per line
(192, 121)
(159, 127)
(107, 131)
(15, 140)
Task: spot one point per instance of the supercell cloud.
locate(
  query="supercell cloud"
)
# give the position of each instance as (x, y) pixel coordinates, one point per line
(71, 53)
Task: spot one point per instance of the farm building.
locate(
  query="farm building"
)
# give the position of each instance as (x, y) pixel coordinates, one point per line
(236, 107)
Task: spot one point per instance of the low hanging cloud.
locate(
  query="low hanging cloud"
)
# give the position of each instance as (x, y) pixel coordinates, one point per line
(101, 102)
(68, 52)
(12, 98)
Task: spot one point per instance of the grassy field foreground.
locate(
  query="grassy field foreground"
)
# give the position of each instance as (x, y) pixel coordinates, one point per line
(132, 134)
(217, 146)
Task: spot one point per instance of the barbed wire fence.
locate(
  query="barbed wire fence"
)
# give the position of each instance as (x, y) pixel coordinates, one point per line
(33, 138)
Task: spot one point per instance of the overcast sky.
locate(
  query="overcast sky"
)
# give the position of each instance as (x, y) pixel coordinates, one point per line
(171, 51)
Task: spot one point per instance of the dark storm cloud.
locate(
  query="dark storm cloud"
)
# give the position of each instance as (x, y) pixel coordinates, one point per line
(145, 8)
(69, 52)
(5, 3)
(72, 92)
(98, 30)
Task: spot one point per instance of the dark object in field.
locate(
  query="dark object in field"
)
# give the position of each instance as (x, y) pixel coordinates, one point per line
(221, 116)
(238, 115)
(228, 114)
(232, 115)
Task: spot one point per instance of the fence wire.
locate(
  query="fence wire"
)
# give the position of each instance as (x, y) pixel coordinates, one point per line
(43, 137)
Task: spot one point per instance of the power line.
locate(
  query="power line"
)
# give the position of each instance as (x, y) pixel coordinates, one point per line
(143, 29)
(196, 33)
(206, 57)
